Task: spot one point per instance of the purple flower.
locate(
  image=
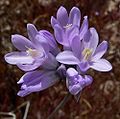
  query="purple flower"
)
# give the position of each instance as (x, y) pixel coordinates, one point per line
(66, 27)
(35, 81)
(39, 80)
(33, 52)
(86, 54)
(40, 55)
(76, 82)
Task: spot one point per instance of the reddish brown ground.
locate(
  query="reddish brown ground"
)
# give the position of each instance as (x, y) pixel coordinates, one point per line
(99, 101)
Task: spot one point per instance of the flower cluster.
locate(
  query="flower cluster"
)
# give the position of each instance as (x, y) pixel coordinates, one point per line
(45, 63)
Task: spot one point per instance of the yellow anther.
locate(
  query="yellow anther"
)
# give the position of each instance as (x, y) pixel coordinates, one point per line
(32, 52)
(87, 53)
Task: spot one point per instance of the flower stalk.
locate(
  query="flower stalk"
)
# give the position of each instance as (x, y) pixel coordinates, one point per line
(60, 105)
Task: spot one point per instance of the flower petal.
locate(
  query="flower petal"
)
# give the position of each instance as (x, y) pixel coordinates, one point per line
(41, 81)
(29, 76)
(59, 33)
(101, 65)
(53, 21)
(23, 93)
(18, 58)
(49, 37)
(100, 51)
(67, 57)
(94, 39)
(51, 41)
(91, 39)
(75, 89)
(61, 70)
(62, 16)
(29, 67)
(71, 72)
(84, 66)
(70, 34)
(50, 63)
(76, 46)
(21, 43)
(75, 82)
(75, 16)
(32, 31)
(41, 43)
(84, 27)
(88, 80)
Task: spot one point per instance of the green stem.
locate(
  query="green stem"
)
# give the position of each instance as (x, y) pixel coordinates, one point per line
(59, 106)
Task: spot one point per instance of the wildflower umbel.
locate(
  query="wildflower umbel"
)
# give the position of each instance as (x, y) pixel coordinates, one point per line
(45, 64)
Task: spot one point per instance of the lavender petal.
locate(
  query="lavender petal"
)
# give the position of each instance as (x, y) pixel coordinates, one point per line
(67, 57)
(21, 43)
(32, 31)
(76, 46)
(29, 67)
(53, 21)
(62, 16)
(91, 39)
(84, 66)
(101, 65)
(43, 80)
(75, 16)
(84, 27)
(50, 63)
(59, 35)
(18, 58)
(100, 51)
(51, 41)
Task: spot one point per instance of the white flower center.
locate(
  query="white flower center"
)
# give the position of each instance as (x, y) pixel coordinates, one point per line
(67, 26)
(86, 53)
(33, 52)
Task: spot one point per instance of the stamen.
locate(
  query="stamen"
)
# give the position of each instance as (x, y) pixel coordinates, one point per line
(32, 52)
(67, 26)
(87, 53)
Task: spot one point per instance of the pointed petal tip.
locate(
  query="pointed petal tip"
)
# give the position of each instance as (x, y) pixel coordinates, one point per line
(20, 81)
(20, 94)
(75, 16)
(14, 36)
(92, 29)
(75, 8)
(52, 17)
(53, 21)
(105, 42)
(6, 57)
(85, 17)
(29, 25)
(61, 7)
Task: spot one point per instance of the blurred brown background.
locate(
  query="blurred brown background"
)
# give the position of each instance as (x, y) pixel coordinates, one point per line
(99, 101)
